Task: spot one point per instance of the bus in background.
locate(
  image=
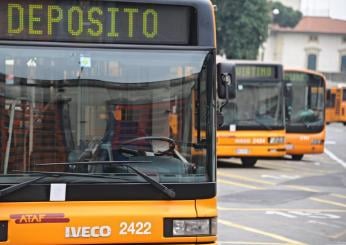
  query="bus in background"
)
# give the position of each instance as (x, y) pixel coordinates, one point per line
(107, 122)
(330, 105)
(253, 122)
(305, 112)
(336, 104)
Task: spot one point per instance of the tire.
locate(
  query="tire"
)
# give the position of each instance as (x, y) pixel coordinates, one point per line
(248, 162)
(344, 123)
(297, 157)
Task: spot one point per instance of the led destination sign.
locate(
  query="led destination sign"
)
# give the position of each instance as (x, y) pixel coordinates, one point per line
(297, 77)
(256, 72)
(94, 21)
(300, 77)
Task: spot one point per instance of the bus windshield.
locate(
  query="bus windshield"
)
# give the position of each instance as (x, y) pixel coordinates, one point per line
(304, 100)
(258, 105)
(147, 108)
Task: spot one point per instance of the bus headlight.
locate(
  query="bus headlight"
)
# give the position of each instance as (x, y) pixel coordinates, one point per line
(190, 227)
(317, 142)
(277, 140)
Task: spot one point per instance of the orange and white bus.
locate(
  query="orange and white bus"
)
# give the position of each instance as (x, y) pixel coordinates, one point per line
(107, 122)
(305, 112)
(253, 122)
(336, 104)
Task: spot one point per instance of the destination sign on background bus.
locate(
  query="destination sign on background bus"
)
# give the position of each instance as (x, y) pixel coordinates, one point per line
(255, 72)
(95, 21)
(303, 77)
(297, 76)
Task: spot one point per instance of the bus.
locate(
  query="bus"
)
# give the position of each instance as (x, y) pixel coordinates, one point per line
(253, 122)
(305, 116)
(107, 115)
(336, 104)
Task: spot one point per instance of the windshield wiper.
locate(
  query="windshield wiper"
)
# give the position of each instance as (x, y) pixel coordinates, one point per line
(306, 124)
(162, 188)
(15, 187)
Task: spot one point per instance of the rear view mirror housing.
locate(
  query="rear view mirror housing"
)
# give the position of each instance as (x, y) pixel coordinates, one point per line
(226, 81)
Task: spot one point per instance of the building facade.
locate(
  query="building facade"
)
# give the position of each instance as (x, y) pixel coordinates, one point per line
(317, 43)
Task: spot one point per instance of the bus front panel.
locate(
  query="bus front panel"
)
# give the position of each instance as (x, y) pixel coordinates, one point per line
(305, 112)
(106, 128)
(253, 122)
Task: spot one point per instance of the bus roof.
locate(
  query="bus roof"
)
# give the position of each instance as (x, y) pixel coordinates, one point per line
(304, 70)
(246, 62)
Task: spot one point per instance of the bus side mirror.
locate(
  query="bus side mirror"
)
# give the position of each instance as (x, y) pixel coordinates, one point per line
(226, 82)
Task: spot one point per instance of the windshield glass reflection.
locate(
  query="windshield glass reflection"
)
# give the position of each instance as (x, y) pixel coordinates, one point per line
(257, 105)
(77, 105)
(304, 100)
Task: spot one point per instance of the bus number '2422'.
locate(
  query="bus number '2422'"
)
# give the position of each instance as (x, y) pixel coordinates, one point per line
(135, 228)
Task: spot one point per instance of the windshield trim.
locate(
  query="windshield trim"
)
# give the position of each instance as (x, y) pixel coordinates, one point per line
(161, 187)
(254, 127)
(113, 191)
(301, 128)
(105, 46)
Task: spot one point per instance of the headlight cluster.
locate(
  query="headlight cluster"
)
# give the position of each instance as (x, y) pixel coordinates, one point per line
(317, 142)
(190, 227)
(277, 140)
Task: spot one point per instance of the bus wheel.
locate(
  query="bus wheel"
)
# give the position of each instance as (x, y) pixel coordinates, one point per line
(297, 157)
(248, 162)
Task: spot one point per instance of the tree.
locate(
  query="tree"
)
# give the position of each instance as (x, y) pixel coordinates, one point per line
(286, 17)
(242, 27)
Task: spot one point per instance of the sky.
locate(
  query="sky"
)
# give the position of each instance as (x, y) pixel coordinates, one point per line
(332, 8)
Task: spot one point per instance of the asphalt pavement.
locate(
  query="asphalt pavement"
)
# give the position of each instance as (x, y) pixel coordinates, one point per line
(283, 201)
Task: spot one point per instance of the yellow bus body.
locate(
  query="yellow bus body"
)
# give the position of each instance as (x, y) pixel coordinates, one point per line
(336, 109)
(254, 143)
(306, 143)
(303, 143)
(88, 220)
(117, 221)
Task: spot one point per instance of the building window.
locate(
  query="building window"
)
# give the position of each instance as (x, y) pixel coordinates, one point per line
(312, 61)
(313, 38)
(343, 64)
(344, 39)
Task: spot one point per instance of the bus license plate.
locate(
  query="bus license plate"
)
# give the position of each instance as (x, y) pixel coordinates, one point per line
(242, 151)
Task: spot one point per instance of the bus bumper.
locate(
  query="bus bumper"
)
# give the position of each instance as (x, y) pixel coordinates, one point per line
(120, 222)
(250, 151)
(299, 144)
(301, 149)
